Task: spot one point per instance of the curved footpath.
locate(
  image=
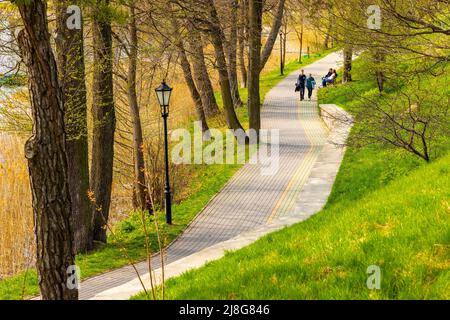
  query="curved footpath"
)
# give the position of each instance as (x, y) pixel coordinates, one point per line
(252, 204)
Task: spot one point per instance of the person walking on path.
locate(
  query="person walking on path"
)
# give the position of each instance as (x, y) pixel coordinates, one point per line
(310, 85)
(301, 83)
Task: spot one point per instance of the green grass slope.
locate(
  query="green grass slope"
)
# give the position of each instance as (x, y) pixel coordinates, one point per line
(402, 227)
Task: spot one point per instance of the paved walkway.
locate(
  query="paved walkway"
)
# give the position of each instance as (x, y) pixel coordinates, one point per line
(250, 200)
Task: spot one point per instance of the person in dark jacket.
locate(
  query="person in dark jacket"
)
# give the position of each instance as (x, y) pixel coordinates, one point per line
(329, 79)
(330, 72)
(301, 83)
(310, 85)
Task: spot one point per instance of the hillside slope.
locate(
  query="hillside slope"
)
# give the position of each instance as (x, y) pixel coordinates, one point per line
(387, 208)
(403, 228)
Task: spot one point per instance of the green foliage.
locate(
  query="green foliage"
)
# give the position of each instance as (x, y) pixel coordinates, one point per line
(402, 106)
(13, 80)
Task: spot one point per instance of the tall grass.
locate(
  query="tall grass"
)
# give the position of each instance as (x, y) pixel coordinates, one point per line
(16, 221)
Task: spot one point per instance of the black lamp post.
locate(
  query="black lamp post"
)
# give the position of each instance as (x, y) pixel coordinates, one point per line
(163, 93)
(281, 54)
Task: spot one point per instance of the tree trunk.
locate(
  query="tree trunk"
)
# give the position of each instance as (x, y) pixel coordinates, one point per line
(232, 57)
(217, 37)
(327, 34)
(265, 55)
(47, 159)
(255, 30)
(301, 41)
(281, 54)
(70, 60)
(379, 58)
(187, 72)
(201, 75)
(193, 89)
(103, 115)
(348, 52)
(242, 43)
(142, 195)
(284, 45)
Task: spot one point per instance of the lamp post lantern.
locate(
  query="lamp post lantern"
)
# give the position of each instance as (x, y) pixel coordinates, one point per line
(163, 93)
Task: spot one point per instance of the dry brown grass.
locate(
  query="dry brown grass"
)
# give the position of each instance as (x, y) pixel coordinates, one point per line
(16, 219)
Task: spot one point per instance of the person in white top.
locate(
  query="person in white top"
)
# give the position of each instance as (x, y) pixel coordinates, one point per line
(329, 79)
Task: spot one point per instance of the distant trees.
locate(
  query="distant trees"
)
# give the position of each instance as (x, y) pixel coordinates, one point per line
(236, 41)
(403, 45)
(47, 158)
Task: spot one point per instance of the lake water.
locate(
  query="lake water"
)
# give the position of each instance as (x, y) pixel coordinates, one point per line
(8, 59)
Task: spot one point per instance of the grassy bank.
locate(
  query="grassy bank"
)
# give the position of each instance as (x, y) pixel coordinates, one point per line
(128, 241)
(326, 257)
(386, 208)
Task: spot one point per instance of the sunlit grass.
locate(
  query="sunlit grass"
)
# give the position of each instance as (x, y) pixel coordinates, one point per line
(402, 227)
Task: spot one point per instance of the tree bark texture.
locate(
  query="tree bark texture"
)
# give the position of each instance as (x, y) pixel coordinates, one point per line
(142, 194)
(201, 75)
(348, 53)
(268, 47)
(242, 43)
(47, 159)
(217, 37)
(103, 114)
(232, 55)
(70, 61)
(255, 29)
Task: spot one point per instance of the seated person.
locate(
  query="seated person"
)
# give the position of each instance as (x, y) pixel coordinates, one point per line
(330, 72)
(329, 79)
